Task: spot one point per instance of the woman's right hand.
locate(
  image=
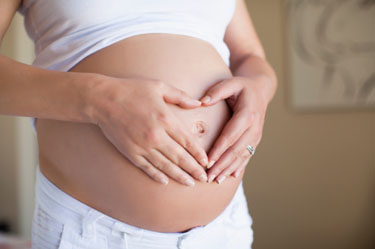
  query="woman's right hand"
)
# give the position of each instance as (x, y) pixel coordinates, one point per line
(134, 116)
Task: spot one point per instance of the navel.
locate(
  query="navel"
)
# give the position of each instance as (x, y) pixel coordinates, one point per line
(199, 128)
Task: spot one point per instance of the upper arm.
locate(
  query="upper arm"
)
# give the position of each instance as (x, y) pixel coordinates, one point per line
(7, 10)
(241, 37)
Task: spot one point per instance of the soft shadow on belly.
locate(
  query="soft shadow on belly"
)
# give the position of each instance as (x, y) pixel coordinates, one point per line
(82, 162)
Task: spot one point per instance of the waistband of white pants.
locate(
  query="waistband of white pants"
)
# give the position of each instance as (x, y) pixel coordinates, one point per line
(77, 215)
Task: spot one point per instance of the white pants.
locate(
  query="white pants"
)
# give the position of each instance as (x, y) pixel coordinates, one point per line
(62, 222)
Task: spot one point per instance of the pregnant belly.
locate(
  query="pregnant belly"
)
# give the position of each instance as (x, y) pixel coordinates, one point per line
(82, 162)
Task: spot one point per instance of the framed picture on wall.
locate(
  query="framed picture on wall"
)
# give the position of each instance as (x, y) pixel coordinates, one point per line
(331, 51)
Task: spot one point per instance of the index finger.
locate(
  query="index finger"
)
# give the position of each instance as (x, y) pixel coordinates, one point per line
(189, 143)
(231, 132)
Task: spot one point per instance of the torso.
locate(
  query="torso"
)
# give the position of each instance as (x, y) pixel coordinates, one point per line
(82, 162)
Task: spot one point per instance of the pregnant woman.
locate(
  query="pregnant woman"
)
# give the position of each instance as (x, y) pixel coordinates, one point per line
(146, 114)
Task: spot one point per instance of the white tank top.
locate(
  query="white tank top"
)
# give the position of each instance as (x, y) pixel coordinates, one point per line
(66, 31)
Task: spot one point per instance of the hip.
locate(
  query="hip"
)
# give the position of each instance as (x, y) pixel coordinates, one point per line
(61, 221)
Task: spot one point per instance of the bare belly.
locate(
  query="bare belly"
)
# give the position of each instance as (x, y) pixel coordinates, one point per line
(82, 162)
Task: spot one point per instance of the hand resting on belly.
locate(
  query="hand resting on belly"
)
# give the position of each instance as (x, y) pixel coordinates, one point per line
(81, 160)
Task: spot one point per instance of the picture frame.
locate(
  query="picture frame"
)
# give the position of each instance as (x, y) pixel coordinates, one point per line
(331, 54)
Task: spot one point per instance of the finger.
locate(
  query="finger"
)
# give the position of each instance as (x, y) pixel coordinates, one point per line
(225, 161)
(240, 169)
(166, 166)
(179, 133)
(222, 90)
(178, 97)
(230, 155)
(236, 164)
(179, 156)
(231, 132)
(150, 170)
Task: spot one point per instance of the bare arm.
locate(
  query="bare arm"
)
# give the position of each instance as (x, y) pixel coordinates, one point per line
(247, 57)
(35, 92)
(248, 93)
(31, 91)
(105, 101)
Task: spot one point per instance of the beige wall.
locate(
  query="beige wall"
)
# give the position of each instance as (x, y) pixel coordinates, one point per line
(8, 174)
(18, 150)
(311, 183)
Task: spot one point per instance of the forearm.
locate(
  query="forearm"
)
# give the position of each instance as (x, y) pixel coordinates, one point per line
(260, 71)
(35, 92)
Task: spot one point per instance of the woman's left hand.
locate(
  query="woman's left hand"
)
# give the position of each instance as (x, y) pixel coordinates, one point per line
(229, 152)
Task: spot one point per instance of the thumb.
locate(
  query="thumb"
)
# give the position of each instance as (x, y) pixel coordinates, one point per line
(178, 97)
(222, 90)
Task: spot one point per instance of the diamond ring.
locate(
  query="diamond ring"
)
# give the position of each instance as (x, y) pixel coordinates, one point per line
(251, 149)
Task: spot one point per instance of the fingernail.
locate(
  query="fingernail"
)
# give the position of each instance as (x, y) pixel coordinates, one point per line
(164, 181)
(221, 179)
(206, 99)
(212, 177)
(210, 164)
(197, 102)
(204, 162)
(189, 182)
(237, 173)
(203, 178)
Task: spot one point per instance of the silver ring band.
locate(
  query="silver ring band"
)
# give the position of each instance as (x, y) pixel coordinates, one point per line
(251, 149)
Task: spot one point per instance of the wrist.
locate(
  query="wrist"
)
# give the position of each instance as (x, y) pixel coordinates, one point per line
(266, 87)
(90, 85)
(99, 93)
(261, 75)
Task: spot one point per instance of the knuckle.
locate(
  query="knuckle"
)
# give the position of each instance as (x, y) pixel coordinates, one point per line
(153, 136)
(138, 160)
(183, 95)
(222, 167)
(251, 117)
(157, 176)
(239, 153)
(232, 168)
(188, 143)
(153, 173)
(228, 139)
(162, 117)
(219, 168)
(147, 168)
(215, 172)
(158, 84)
(245, 155)
(165, 167)
(225, 172)
(180, 178)
(236, 154)
(196, 172)
(160, 166)
(181, 160)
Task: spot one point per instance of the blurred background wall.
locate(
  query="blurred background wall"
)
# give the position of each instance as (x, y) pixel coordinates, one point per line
(310, 184)
(18, 148)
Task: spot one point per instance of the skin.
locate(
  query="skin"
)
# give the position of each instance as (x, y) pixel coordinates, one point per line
(27, 90)
(83, 163)
(254, 81)
(248, 93)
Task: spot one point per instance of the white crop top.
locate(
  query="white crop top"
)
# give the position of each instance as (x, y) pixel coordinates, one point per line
(65, 32)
